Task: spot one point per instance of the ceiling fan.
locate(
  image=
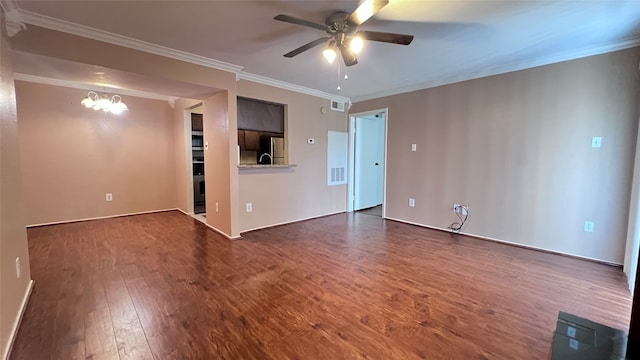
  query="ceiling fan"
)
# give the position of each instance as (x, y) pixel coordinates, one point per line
(343, 30)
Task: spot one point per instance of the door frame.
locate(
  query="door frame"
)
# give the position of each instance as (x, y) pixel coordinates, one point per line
(188, 156)
(351, 173)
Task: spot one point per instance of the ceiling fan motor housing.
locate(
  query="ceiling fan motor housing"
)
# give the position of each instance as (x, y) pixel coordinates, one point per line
(340, 27)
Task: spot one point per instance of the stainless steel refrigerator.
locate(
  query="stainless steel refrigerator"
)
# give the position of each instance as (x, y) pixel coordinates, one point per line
(274, 146)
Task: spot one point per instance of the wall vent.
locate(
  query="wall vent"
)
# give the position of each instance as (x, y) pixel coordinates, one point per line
(337, 158)
(337, 175)
(337, 105)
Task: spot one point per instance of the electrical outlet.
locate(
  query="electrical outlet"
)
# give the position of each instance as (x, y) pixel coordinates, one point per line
(413, 147)
(249, 207)
(456, 208)
(18, 268)
(109, 197)
(465, 210)
(217, 207)
(588, 226)
(412, 202)
(596, 141)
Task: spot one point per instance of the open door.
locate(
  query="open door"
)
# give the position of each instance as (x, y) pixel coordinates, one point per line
(368, 159)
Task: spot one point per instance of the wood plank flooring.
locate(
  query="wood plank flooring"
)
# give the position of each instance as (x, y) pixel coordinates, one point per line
(348, 286)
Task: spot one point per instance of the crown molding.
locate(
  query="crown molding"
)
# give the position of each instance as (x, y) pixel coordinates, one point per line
(12, 17)
(507, 68)
(9, 5)
(90, 87)
(289, 86)
(108, 37)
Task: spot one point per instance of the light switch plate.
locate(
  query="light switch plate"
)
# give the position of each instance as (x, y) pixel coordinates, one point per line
(18, 268)
(596, 141)
(413, 147)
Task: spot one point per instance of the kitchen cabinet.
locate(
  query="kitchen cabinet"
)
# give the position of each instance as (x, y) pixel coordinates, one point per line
(258, 115)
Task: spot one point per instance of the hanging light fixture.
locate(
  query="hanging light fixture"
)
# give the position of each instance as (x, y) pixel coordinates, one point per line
(95, 102)
(330, 52)
(356, 44)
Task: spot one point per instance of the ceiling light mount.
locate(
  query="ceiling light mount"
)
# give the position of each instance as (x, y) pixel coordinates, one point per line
(114, 105)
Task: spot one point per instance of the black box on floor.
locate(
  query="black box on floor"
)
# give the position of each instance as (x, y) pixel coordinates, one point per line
(579, 338)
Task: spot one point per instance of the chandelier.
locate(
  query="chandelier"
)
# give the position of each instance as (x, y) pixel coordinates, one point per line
(113, 105)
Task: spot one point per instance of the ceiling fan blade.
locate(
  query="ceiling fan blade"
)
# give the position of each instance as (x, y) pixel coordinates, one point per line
(306, 47)
(366, 10)
(348, 56)
(293, 20)
(399, 39)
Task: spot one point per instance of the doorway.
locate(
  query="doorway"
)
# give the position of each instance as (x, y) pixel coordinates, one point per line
(194, 158)
(367, 162)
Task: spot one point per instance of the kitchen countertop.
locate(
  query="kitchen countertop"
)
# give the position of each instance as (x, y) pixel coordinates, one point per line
(265, 166)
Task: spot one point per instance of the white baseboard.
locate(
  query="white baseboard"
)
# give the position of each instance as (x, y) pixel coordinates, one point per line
(509, 242)
(209, 226)
(100, 217)
(184, 212)
(293, 221)
(18, 321)
(223, 233)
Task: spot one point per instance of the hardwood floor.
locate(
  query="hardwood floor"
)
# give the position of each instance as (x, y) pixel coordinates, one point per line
(346, 286)
(375, 211)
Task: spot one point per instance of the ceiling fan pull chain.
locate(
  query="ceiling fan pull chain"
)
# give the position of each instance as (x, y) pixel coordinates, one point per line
(339, 62)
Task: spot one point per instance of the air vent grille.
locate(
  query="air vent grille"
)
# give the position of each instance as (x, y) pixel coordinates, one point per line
(336, 158)
(337, 175)
(337, 105)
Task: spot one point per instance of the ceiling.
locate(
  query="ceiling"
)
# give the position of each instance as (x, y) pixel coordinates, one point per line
(454, 40)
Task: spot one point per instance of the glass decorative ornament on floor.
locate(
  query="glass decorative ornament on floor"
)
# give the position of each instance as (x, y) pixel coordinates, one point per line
(113, 105)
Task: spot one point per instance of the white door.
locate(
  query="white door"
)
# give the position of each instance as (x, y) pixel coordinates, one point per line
(369, 169)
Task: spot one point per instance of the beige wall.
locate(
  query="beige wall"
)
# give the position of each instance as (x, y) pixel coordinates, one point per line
(516, 148)
(216, 162)
(13, 235)
(633, 228)
(72, 156)
(75, 48)
(217, 159)
(284, 195)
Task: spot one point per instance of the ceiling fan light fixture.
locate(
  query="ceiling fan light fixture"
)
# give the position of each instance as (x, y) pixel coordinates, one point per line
(356, 44)
(329, 54)
(344, 36)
